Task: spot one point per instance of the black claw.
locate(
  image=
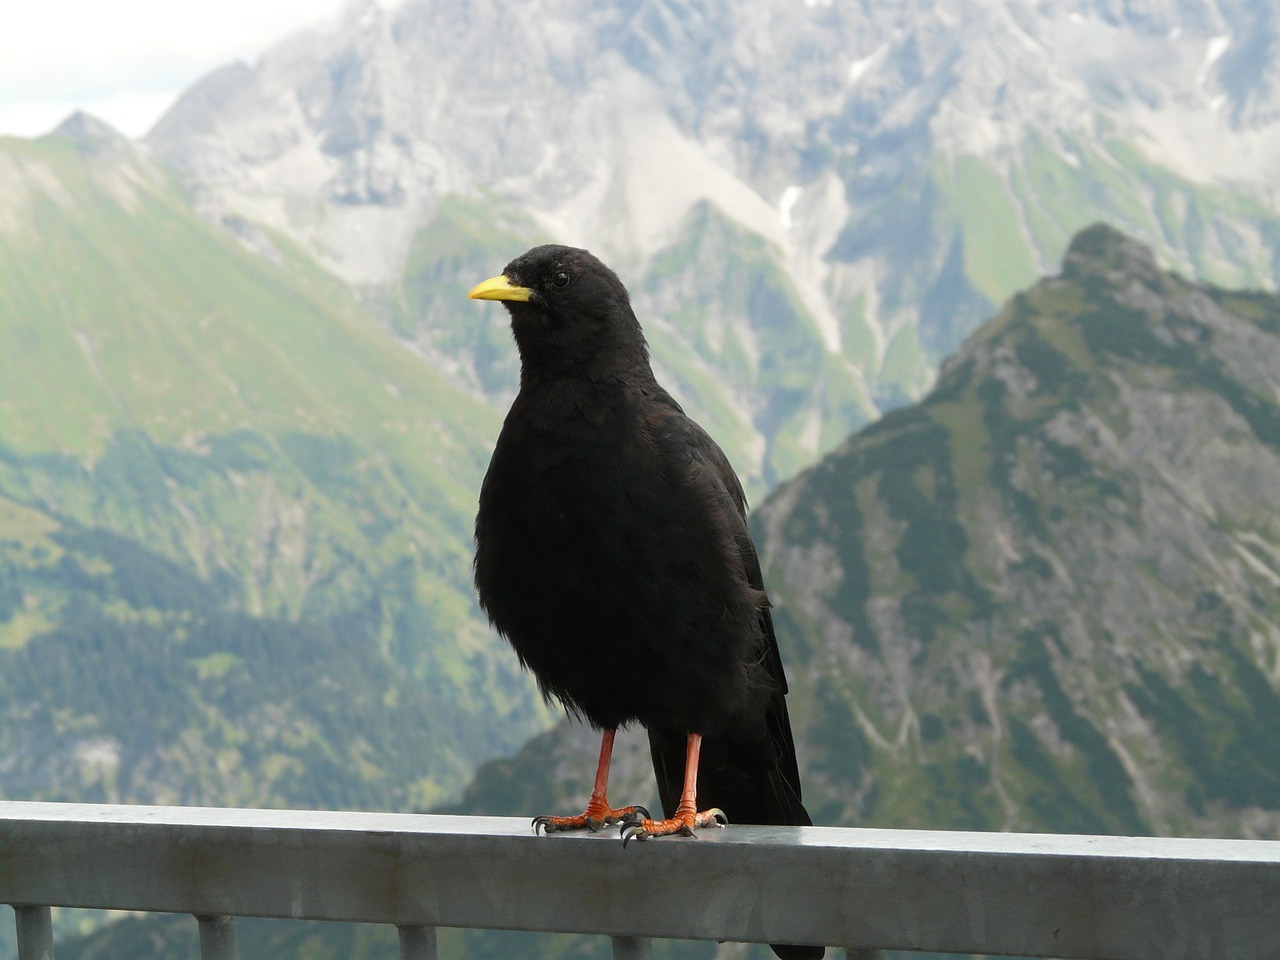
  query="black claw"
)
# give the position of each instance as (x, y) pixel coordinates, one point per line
(633, 831)
(543, 824)
(687, 831)
(594, 824)
(721, 818)
(635, 816)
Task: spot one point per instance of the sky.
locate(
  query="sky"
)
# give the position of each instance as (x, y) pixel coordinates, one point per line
(126, 61)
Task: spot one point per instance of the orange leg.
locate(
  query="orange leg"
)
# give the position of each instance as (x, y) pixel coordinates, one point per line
(687, 817)
(598, 811)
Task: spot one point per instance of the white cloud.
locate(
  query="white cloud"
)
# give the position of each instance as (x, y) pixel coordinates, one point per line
(127, 60)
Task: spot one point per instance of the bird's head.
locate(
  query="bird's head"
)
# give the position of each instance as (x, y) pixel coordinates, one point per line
(568, 312)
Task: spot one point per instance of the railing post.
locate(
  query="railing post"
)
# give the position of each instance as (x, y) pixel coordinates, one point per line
(35, 933)
(417, 942)
(632, 948)
(217, 938)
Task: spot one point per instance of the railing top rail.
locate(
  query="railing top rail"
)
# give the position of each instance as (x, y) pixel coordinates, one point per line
(1022, 894)
(80, 815)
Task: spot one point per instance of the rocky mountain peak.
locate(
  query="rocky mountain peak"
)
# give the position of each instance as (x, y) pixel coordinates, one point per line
(1103, 251)
(94, 137)
(552, 105)
(82, 126)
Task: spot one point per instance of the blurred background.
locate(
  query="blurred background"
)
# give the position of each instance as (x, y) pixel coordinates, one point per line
(979, 301)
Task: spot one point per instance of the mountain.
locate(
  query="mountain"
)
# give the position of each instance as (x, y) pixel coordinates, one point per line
(1045, 597)
(813, 204)
(234, 516)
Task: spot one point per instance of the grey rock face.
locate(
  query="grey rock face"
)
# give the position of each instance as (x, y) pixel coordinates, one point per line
(906, 167)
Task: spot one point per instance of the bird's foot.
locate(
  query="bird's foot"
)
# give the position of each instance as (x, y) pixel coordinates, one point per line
(684, 822)
(597, 815)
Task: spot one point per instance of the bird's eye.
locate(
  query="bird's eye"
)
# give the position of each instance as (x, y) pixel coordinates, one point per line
(560, 279)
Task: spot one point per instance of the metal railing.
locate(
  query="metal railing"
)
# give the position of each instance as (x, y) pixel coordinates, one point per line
(1120, 898)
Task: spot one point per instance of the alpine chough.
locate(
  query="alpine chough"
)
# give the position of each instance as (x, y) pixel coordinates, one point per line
(612, 552)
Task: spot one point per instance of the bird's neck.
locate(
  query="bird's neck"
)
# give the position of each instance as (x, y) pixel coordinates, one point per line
(609, 353)
(589, 369)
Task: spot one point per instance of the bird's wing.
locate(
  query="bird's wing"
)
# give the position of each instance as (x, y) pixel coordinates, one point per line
(757, 760)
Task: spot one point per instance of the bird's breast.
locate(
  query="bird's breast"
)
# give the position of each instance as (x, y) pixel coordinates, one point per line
(593, 543)
(577, 507)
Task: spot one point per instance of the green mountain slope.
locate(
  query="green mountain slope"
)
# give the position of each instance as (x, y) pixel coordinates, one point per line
(466, 240)
(733, 338)
(234, 516)
(956, 236)
(1044, 598)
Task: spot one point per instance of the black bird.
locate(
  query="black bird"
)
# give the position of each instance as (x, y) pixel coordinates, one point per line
(612, 552)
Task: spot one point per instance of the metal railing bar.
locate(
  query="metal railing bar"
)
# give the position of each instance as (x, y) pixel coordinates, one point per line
(217, 937)
(35, 932)
(632, 948)
(1122, 898)
(417, 942)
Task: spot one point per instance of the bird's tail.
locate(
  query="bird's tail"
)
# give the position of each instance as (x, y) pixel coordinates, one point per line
(746, 778)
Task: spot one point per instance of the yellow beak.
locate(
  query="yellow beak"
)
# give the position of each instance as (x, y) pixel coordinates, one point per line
(499, 288)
